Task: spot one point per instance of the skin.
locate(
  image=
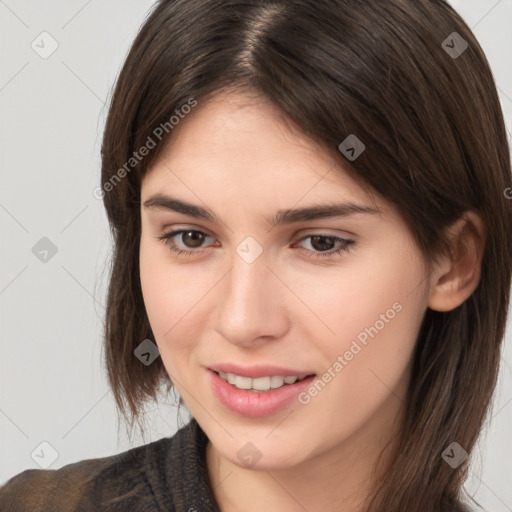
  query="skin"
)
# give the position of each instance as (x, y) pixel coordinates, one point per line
(288, 307)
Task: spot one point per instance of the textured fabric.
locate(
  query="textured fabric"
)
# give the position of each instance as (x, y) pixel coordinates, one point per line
(168, 475)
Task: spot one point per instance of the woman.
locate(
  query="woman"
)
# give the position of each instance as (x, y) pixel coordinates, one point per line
(312, 245)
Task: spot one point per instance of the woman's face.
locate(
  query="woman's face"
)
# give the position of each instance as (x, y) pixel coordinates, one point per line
(259, 283)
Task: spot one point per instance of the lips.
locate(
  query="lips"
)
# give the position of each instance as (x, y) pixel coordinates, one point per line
(254, 404)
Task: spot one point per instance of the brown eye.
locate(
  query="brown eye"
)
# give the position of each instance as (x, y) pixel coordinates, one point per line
(190, 239)
(322, 243)
(326, 245)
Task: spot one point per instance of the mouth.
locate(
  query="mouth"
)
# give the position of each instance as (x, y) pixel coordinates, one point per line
(260, 384)
(257, 397)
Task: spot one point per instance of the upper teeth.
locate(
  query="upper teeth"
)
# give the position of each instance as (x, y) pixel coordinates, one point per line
(260, 383)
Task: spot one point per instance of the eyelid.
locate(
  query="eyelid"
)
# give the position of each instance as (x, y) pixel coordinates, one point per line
(339, 233)
(303, 232)
(166, 228)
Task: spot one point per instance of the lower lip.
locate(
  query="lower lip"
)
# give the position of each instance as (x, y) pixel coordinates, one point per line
(255, 404)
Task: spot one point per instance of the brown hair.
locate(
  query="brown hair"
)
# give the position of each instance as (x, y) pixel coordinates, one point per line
(436, 147)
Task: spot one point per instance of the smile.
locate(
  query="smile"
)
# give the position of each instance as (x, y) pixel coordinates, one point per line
(259, 383)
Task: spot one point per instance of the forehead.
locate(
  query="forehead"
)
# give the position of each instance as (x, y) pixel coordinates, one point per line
(240, 146)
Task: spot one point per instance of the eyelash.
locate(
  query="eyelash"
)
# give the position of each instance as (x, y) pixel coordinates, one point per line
(166, 238)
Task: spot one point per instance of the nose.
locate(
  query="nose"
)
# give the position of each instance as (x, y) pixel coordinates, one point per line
(250, 304)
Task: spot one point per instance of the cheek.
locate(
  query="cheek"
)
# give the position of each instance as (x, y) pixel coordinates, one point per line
(173, 297)
(366, 323)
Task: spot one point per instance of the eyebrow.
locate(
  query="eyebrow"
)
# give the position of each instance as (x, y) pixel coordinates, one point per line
(287, 216)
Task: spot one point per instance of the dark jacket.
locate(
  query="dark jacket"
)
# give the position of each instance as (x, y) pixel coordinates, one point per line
(168, 475)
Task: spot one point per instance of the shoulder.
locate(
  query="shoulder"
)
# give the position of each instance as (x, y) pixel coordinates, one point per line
(118, 482)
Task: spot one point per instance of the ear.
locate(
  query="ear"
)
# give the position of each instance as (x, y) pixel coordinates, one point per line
(457, 275)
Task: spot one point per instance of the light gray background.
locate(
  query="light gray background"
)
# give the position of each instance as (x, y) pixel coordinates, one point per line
(52, 384)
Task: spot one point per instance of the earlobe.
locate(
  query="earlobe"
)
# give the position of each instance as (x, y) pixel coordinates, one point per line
(457, 274)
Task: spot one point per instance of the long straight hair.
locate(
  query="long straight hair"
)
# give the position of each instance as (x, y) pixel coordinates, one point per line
(410, 80)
